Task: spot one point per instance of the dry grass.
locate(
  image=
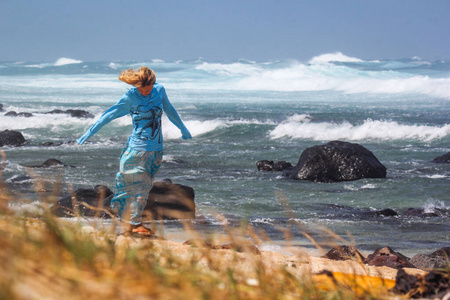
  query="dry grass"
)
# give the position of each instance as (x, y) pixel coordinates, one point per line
(48, 258)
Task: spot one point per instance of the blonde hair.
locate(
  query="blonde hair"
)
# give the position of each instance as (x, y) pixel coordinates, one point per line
(139, 78)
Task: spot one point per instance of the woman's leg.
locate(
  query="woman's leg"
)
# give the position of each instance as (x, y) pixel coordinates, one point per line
(133, 183)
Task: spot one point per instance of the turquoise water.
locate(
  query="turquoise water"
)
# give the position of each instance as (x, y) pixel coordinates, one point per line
(241, 112)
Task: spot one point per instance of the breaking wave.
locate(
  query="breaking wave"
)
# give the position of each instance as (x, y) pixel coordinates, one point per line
(301, 127)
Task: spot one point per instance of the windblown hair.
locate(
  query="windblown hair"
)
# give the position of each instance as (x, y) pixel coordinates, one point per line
(139, 78)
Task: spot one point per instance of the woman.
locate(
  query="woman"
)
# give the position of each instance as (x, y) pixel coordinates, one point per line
(142, 156)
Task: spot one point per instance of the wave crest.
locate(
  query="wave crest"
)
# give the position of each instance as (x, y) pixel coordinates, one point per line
(369, 130)
(333, 57)
(66, 61)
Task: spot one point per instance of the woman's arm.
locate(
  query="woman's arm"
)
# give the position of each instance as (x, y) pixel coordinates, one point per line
(173, 116)
(120, 109)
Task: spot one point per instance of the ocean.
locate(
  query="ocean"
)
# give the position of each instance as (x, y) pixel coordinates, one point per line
(243, 111)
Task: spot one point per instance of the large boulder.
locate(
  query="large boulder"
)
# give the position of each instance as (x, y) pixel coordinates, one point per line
(12, 138)
(388, 258)
(70, 206)
(437, 260)
(443, 159)
(1, 108)
(336, 161)
(168, 200)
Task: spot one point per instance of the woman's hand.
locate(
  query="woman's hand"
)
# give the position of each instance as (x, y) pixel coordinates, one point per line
(185, 134)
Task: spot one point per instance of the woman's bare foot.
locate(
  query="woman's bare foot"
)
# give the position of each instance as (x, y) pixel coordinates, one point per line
(140, 229)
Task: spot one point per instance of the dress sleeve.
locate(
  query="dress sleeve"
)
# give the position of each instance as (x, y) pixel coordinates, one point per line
(120, 109)
(173, 116)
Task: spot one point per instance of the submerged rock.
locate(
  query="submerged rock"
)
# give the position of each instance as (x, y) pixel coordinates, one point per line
(443, 159)
(336, 161)
(12, 138)
(76, 113)
(52, 162)
(269, 165)
(22, 114)
(419, 212)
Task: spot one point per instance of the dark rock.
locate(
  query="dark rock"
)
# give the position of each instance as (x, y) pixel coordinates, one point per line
(436, 260)
(64, 207)
(419, 212)
(269, 165)
(22, 114)
(336, 161)
(25, 114)
(386, 213)
(344, 253)
(444, 159)
(1, 108)
(11, 137)
(11, 114)
(282, 165)
(49, 144)
(404, 282)
(56, 111)
(78, 113)
(52, 162)
(389, 258)
(434, 285)
(168, 200)
(265, 165)
(20, 179)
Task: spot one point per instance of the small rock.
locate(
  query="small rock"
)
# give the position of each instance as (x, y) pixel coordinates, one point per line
(52, 162)
(386, 213)
(344, 253)
(264, 165)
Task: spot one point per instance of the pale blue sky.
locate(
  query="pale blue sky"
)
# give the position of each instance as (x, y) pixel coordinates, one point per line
(93, 30)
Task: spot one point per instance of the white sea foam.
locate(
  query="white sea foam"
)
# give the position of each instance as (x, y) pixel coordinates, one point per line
(229, 69)
(320, 75)
(66, 61)
(369, 130)
(333, 57)
(432, 205)
(436, 176)
(195, 127)
(95, 82)
(52, 122)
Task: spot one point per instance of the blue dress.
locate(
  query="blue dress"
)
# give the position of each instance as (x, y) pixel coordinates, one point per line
(142, 157)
